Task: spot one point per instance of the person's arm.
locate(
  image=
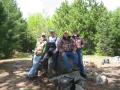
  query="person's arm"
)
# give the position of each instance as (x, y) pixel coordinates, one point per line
(39, 48)
(44, 48)
(59, 45)
(74, 45)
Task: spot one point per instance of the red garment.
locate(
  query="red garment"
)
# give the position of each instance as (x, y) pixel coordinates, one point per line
(67, 45)
(79, 42)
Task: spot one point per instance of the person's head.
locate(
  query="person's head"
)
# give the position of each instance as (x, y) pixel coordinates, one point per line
(65, 34)
(75, 36)
(52, 33)
(43, 35)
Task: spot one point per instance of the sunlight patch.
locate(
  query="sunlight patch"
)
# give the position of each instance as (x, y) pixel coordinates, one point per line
(19, 73)
(4, 74)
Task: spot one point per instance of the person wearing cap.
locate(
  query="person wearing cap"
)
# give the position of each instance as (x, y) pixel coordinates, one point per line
(67, 48)
(38, 53)
(79, 45)
(50, 47)
(52, 37)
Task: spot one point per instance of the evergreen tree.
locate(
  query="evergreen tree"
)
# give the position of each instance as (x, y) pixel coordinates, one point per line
(14, 26)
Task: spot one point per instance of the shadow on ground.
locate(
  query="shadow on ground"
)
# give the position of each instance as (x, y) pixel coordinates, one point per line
(112, 72)
(13, 76)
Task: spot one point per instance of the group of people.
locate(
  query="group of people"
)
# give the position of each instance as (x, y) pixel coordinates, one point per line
(68, 46)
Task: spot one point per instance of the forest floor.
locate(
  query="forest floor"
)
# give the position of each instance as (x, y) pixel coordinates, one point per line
(13, 75)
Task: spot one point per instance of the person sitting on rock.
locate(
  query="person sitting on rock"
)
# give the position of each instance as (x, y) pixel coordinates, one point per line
(50, 48)
(67, 48)
(38, 53)
(79, 45)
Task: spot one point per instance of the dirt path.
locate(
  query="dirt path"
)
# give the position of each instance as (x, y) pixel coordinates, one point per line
(112, 72)
(13, 76)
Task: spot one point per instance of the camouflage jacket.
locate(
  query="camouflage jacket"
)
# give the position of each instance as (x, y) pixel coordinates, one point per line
(79, 43)
(66, 45)
(40, 46)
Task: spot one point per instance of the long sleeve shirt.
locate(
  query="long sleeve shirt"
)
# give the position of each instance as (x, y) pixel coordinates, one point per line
(39, 46)
(66, 45)
(79, 42)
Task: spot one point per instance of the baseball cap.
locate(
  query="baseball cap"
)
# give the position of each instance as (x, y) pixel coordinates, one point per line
(51, 30)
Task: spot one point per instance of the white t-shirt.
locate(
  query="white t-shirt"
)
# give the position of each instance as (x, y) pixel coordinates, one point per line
(53, 39)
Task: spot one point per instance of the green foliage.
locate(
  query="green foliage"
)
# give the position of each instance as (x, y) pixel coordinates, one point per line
(61, 20)
(37, 24)
(115, 34)
(103, 39)
(12, 28)
(108, 34)
(93, 22)
(79, 17)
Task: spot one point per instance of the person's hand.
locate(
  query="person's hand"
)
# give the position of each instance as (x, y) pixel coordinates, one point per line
(63, 53)
(38, 52)
(56, 50)
(82, 46)
(74, 50)
(42, 61)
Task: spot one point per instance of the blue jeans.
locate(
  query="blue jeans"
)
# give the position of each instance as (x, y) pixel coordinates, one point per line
(66, 57)
(80, 61)
(34, 68)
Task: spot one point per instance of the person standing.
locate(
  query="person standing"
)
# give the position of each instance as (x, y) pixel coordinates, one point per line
(79, 45)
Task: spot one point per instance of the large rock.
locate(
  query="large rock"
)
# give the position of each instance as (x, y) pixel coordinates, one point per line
(81, 82)
(60, 67)
(101, 80)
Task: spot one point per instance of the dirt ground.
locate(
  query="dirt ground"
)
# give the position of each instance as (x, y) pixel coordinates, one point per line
(112, 72)
(13, 76)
